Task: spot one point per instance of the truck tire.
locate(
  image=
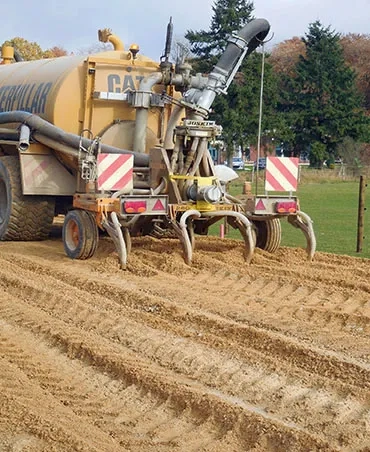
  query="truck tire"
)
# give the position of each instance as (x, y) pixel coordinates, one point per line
(80, 234)
(22, 217)
(268, 234)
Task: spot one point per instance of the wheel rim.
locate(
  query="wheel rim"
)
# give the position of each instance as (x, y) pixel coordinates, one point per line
(72, 236)
(3, 201)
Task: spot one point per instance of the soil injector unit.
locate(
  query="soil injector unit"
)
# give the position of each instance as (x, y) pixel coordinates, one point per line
(117, 142)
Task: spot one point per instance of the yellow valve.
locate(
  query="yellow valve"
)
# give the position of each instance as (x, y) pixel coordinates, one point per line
(7, 53)
(134, 49)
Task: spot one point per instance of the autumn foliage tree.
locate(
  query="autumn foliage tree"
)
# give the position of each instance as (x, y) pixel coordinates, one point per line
(356, 50)
(285, 56)
(33, 51)
(55, 52)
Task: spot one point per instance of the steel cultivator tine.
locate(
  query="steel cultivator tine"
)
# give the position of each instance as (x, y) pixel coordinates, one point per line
(305, 224)
(244, 226)
(187, 234)
(249, 239)
(115, 232)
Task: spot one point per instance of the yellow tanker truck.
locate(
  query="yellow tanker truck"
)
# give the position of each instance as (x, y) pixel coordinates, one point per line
(118, 142)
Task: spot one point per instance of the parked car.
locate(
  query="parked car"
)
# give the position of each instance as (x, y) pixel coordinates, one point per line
(261, 163)
(238, 163)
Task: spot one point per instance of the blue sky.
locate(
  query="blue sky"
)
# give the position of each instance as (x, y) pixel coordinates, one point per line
(73, 24)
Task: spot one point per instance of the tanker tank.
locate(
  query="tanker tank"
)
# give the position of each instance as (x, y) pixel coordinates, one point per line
(65, 91)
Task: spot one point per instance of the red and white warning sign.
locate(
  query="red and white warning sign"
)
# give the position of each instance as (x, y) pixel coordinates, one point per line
(281, 174)
(45, 175)
(115, 172)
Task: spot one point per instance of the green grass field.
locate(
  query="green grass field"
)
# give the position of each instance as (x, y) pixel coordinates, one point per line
(333, 207)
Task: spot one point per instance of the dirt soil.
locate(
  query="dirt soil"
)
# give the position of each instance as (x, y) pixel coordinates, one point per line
(220, 356)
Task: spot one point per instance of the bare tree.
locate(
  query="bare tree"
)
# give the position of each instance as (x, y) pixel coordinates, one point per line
(180, 50)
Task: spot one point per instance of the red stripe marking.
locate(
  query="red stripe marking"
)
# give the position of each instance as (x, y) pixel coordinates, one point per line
(115, 165)
(125, 180)
(284, 171)
(275, 184)
(36, 172)
(101, 157)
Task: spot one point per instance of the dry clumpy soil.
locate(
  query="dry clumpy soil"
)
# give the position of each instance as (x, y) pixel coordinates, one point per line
(220, 356)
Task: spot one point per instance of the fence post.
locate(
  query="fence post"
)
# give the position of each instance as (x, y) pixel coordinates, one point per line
(361, 212)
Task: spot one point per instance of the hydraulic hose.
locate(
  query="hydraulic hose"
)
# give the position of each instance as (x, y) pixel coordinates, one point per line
(9, 134)
(247, 39)
(58, 136)
(253, 33)
(17, 56)
(177, 112)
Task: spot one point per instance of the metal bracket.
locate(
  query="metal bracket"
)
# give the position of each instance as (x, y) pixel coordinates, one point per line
(87, 158)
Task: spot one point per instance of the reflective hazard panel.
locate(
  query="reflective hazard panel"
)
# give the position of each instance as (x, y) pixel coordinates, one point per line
(281, 174)
(158, 206)
(145, 205)
(115, 172)
(260, 205)
(45, 175)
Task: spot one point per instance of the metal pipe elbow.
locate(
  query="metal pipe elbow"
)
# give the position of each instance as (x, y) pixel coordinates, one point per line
(250, 36)
(106, 35)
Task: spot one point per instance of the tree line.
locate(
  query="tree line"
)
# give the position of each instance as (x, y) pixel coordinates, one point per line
(316, 90)
(29, 51)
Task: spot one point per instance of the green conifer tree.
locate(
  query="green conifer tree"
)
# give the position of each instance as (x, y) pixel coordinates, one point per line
(238, 111)
(322, 101)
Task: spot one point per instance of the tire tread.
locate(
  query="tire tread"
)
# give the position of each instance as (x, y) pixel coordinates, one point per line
(31, 217)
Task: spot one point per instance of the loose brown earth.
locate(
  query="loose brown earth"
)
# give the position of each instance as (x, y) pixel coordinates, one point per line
(221, 356)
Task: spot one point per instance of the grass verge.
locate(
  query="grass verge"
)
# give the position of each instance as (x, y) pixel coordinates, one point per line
(332, 204)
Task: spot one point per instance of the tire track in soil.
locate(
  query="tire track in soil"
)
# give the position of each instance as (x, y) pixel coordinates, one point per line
(92, 396)
(222, 412)
(264, 341)
(248, 359)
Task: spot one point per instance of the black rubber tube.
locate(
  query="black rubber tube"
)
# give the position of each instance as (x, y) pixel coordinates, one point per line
(253, 33)
(43, 127)
(9, 135)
